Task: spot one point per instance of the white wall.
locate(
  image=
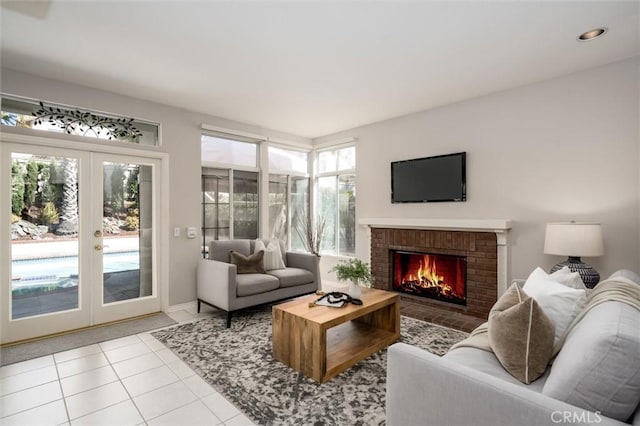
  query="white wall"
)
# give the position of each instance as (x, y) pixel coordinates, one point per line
(567, 148)
(558, 150)
(180, 139)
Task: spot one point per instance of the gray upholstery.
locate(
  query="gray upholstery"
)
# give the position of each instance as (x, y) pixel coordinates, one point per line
(220, 285)
(219, 250)
(249, 284)
(290, 277)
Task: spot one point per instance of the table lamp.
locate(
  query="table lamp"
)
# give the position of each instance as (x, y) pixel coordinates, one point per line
(574, 239)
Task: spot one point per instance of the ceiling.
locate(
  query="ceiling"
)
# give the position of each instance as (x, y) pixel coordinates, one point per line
(311, 68)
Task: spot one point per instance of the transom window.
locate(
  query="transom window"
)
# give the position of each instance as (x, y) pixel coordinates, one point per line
(281, 159)
(38, 115)
(227, 151)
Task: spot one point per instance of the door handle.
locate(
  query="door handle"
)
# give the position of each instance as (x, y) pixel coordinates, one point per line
(97, 247)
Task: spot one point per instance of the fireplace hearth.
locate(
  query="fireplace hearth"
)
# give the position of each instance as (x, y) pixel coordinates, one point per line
(431, 275)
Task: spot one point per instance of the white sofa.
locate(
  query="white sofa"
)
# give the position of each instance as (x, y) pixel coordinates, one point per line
(598, 365)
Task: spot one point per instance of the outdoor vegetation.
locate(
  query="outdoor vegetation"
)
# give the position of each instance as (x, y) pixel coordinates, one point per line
(44, 198)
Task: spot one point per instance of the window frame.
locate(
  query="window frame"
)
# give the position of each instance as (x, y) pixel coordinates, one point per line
(336, 173)
(230, 168)
(265, 171)
(290, 175)
(22, 102)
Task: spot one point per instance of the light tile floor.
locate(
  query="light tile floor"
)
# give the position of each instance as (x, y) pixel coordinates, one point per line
(133, 380)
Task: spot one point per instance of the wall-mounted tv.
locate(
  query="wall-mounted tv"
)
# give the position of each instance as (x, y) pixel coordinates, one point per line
(429, 179)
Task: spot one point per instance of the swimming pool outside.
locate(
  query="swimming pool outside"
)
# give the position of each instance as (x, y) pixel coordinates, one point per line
(56, 263)
(48, 249)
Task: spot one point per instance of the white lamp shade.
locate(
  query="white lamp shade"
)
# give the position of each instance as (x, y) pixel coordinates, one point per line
(574, 239)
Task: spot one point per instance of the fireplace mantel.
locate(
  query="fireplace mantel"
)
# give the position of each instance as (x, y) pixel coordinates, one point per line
(472, 225)
(500, 227)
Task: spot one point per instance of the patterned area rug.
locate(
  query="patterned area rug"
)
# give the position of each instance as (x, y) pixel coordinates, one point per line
(238, 363)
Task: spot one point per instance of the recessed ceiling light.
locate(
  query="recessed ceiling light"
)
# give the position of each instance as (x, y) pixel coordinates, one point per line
(592, 34)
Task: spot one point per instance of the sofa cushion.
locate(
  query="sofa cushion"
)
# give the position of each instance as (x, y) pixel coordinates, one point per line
(486, 362)
(558, 301)
(220, 250)
(521, 335)
(290, 277)
(272, 255)
(253, 264)
(249, 284)
(598, 368)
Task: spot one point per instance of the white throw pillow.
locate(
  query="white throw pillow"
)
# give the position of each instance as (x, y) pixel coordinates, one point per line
(272, 255)
(568, 278)
(559, 302)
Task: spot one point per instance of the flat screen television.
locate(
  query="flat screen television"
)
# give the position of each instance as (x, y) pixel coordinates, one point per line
(429, 179)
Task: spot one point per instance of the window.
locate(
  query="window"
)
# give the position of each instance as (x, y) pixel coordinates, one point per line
(336, 160)
(299, 208)
(288, 208)
(18, 112)
(217, 210)
(230, 195)
(288, 193)
(245, 205)
(278, 207)
(288, 160)
(336, 199)
(227, 151)
(215, 205)
(231, 182)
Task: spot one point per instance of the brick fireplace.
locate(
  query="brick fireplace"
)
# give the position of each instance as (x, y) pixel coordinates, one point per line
(482, 249)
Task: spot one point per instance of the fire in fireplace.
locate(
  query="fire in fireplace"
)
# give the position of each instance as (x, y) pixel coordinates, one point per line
(436, 276)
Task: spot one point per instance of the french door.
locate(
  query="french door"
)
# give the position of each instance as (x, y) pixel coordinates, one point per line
(79, 239)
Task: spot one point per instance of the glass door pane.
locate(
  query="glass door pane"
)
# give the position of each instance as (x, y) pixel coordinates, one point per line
(44, 234)
(245, 205)
(278, 207)
(215, 207)
(79, 239)
(347, 206)
(299, 211)
(126, 231)
(124, 236)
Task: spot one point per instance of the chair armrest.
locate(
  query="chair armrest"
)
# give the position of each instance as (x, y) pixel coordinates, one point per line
(217, 283)
(304, 261)
(425, 389)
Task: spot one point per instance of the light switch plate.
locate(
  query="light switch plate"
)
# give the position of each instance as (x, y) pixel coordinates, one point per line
(176, 231)
(191, 232)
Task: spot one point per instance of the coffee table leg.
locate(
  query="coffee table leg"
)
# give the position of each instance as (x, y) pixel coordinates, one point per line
(316, 345)
(300, 344)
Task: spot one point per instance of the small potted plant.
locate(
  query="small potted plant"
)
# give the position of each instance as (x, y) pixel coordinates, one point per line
(355, 271)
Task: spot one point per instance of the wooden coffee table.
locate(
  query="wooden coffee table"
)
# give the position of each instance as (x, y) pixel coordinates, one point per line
(322, 342)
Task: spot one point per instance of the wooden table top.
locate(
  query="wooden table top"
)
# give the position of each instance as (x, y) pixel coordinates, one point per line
(327, 316)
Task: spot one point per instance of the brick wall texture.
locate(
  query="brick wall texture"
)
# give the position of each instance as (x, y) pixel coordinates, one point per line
(480, 249)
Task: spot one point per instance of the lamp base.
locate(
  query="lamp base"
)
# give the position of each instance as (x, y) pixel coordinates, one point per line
(590, 277)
